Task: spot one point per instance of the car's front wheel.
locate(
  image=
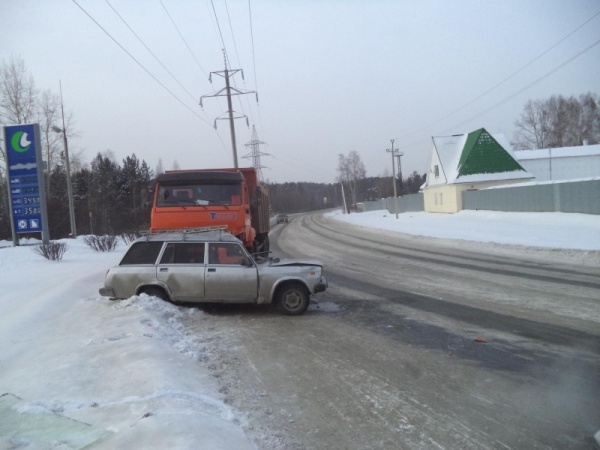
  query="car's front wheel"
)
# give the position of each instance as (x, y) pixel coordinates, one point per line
(292, 299)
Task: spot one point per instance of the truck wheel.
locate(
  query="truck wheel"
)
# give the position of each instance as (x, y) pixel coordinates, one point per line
(292, 299)
(155, 292)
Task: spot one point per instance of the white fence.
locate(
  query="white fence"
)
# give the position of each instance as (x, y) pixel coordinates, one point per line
(571, 197)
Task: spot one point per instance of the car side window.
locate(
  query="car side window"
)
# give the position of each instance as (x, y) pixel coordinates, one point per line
(226, 253)
(142, 253)
(183, 253)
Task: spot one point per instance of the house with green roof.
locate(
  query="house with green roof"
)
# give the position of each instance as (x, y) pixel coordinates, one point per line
(470, 161)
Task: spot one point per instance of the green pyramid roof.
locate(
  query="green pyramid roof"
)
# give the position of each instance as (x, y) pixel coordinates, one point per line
(483, 154)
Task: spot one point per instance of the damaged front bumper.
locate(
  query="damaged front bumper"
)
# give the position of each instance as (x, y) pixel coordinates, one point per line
(321, 285)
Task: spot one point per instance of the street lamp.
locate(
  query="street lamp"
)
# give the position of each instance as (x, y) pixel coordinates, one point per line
(69, 188)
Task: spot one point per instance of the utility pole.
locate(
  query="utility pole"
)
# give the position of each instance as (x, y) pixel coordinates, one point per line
(228, 91)
(400, 155)
(255, 152)
(394, 153)
(344, 198)
(63, 130)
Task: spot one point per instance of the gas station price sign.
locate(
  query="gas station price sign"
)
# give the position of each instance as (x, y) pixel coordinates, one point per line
(26, 178)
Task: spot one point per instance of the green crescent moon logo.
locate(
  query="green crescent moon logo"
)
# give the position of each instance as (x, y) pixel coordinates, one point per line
(19, 142)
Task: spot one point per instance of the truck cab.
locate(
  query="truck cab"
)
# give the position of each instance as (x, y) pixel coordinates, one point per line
(220, 198)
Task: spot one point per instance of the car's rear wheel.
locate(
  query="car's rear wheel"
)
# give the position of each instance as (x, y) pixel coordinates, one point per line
(157, 292)
(292, 299)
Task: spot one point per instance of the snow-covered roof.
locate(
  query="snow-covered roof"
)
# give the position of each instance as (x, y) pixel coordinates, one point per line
(498, 176)
(446, 148)
(542, 183)
(560, 152)
(461, 164)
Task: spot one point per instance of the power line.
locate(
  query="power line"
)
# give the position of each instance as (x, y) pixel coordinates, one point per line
(543, 77)
(195, 59)
(507, 78)
(218, 25)
(194, 56)
(232, 35)
(252, 39)
(513, 95)
(151, 52)
(140, 64)
(183, 39)
(238, 58)
(254, 62)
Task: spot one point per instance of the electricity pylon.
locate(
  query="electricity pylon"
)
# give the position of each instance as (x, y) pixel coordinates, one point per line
(255, 152)
(228, 91)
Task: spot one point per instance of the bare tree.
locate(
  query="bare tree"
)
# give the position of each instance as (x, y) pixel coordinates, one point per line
(558, 122)
(564, 126)
(18, 93)
(17, 105)
(533, 128)
(17, 97)
(590, 118)
(350, 170)
(49, 106)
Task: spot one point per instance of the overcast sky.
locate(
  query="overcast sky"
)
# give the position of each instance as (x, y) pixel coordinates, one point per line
(331, 76)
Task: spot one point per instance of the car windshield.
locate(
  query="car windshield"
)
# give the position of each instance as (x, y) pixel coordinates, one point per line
(199, 194)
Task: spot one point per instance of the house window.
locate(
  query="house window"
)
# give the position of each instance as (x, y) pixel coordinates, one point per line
(436, 171)
(441, 199)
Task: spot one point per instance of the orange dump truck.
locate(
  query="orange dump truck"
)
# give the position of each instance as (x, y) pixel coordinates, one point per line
(231, 198)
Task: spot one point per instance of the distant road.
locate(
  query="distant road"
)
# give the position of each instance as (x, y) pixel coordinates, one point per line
(419, 343)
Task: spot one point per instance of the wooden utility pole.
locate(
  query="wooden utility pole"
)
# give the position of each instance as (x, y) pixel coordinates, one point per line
(394, 153)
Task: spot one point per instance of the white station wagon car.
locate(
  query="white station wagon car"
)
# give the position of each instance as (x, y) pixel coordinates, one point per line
(212, 267)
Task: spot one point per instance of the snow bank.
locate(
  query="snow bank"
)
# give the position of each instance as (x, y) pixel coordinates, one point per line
(79, 368)
(550, 230)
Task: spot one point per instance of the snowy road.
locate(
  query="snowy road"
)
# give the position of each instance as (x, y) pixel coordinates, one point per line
(390, 358)
(387, 359)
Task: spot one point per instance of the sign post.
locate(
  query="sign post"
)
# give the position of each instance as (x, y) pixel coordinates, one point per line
(26, 182)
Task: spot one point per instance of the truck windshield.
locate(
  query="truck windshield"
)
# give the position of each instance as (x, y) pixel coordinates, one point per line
(199, 194)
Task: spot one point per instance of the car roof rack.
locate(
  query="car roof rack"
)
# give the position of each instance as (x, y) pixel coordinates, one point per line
(184, 231)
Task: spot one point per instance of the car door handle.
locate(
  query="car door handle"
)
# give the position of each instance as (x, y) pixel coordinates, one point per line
(212, 270)
(164, 269)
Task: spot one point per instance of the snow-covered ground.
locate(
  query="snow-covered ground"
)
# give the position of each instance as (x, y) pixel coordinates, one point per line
(78, 369)
(550, 230)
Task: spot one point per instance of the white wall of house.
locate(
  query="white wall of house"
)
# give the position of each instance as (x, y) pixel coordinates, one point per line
(447, 198)
(570, 163)
(435, 174)
(444, 198)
